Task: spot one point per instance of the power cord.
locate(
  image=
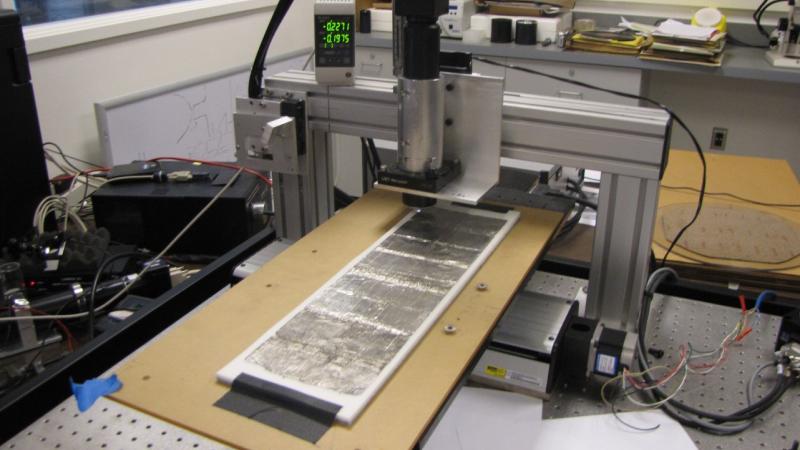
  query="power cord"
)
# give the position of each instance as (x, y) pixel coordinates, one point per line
(671, 113)
(257, 72)
(758, 14)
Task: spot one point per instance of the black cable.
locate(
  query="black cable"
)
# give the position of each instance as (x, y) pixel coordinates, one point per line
(733, 196)
(671, 113)
(63, 155)
(67, 157)
(341, 199)
(257, 72)
(759, 14)
(365, 174)
(375, 156)
(745, 414)
(757, 20)
(372, 167)
(93, 292)
(570, 224)
(742, 43)
(578, 200)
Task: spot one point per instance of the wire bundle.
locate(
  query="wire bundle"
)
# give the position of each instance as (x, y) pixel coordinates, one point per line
(758, 14)
(722, 424)
(687, 364)
(257, 72)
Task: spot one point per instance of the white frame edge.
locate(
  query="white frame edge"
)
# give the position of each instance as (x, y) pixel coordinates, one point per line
(67, 33)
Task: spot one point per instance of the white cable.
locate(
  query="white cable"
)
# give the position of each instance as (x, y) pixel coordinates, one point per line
(147, 266)
(665, 400)
(54, 203)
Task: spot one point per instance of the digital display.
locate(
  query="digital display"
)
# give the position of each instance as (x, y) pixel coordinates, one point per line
(335, 41)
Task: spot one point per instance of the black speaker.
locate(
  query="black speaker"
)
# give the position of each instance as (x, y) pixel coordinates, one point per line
(23, 173)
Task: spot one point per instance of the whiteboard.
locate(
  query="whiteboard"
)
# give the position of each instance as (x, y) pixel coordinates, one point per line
(191, 119)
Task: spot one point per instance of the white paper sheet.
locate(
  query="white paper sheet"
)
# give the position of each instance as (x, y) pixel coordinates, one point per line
(486, 418)
(678, 29)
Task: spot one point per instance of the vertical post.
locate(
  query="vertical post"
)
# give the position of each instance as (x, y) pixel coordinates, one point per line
(304, 202)
(621, 252)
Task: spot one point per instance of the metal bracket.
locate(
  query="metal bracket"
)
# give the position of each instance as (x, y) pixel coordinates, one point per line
(280, 136)
(465, 131)
(266, 139)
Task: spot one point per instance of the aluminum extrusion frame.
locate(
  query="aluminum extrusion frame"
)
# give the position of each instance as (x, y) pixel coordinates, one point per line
(629, 145)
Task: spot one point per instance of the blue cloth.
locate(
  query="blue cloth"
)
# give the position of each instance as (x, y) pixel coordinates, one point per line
(88, 393)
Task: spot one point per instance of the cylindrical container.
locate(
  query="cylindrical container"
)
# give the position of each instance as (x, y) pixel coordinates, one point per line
(526, 32)
(398, 37)
(501, 30)
(421, 50)
(365, 21)
(421, 125)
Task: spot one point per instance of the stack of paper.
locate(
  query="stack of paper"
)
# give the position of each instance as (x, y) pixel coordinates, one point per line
(609, 41)
(678, 42)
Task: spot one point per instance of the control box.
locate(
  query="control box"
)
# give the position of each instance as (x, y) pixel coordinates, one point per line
(457, 19)
(335, 41)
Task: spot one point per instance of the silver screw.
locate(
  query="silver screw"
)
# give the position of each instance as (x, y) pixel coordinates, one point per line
(482, 287)
(449, 329)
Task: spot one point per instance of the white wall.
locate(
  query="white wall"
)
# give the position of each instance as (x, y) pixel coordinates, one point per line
(761, 117)
(678, 4)
(69, 81)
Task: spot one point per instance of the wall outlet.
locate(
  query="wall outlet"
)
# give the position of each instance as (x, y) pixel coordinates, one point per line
(719, 137)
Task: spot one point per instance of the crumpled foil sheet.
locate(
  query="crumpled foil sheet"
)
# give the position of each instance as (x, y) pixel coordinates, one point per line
(351, 330)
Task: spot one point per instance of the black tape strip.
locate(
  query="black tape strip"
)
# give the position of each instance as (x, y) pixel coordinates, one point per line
(290, 411)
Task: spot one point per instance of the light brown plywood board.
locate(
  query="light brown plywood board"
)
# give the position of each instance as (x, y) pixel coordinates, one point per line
(174, 378)
(765, 180)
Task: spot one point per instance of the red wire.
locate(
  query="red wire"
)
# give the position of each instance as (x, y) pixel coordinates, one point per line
(64, 328)
(744, 334)
(260, 176)
(639, 385)
(743, 303)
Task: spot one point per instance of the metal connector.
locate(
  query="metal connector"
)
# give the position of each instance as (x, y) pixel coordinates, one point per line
(789, 360)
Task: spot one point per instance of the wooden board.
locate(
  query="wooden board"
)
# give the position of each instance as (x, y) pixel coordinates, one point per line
(174, 378)
(765, 180)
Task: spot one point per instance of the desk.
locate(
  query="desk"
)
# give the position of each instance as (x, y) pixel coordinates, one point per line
(766, 180)
(174, 379)
(739, 62)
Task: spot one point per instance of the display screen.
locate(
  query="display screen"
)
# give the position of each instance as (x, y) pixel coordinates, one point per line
(335, 41)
